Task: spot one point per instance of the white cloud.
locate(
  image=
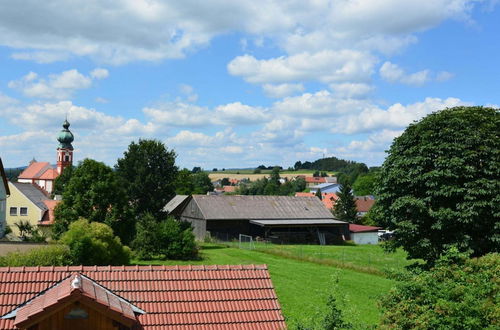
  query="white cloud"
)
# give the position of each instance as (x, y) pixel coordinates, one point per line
(325, 66)
(240, 114)
(179, 114)
(351, 90)
(282, 90)
(57, 86)
(397, 116)
(99, 73)
(41, 57)
(319, 105)
(393, 73)
(188, 91)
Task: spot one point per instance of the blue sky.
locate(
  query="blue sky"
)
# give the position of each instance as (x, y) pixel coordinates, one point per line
(238, 83)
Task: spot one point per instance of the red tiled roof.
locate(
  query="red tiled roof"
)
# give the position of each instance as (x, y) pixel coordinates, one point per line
(34, 170)
(49, 217)
(364, 204)
(329, 199)
(304, 194)
(360, 229)
(49, 174)
(313, 179)
(184, 297)
(65, 290)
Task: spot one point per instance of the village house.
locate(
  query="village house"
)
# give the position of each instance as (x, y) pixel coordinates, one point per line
(4, 193)
(42, 173)
(325, 188)
(29, 203)
(364, 204)
(277, 218)
(328, 199)
(138, 297)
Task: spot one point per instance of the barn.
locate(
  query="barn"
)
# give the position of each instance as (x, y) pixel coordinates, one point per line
(280, 219)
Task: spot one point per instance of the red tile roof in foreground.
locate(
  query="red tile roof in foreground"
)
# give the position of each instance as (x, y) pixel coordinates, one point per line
(67, 290)
(180, 297)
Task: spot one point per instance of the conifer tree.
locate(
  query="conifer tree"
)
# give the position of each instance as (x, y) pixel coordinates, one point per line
(345, 207)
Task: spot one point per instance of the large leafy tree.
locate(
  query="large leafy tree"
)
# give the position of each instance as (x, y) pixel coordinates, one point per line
(148, 172)
(62, 180)
(94, 192)
(440, 184)
(365, 183)
(345, 206)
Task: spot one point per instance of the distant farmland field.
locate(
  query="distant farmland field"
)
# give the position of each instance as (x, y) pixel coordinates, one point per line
(244, 174)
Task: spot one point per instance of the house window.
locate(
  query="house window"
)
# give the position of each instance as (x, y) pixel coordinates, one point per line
(23, 211)
(13, 211)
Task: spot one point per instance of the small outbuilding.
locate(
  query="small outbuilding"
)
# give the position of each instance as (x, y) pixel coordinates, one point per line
(282, 219)
(364, 234)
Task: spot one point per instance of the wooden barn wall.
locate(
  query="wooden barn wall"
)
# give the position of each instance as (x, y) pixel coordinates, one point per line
(192, 214)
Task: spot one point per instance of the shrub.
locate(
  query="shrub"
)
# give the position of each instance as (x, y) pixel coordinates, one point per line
(457, 293)
(167, 239)
(51, 255)
(93, 243)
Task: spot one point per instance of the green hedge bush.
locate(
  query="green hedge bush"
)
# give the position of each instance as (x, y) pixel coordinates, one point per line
(455, 294)
(51, 255)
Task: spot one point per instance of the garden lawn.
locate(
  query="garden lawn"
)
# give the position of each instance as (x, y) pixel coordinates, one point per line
(365, 258)
(302, 287)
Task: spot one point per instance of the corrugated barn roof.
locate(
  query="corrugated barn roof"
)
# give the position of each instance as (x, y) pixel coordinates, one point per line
(261, 207)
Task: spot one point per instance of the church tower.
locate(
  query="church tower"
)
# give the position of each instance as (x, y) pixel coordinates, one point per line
(65, 149)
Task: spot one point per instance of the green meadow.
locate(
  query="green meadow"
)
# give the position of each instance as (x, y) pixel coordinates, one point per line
(304, 275)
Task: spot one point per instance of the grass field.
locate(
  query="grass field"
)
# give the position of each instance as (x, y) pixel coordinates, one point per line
(302, 286)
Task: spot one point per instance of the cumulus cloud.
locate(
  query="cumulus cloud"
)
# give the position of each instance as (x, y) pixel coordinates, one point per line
(240, 114)
(99, 73)
(319, 105)
(395, 74)
(179, 114)
(125, 31)
(351, 90)
(56, 86)
(397, 116)
(41, 57)
(281, 90)
(325, 66)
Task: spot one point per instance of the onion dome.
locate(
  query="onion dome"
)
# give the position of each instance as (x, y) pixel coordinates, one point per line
(65, 137)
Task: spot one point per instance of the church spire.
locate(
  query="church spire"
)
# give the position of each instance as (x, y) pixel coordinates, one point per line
(65, 148)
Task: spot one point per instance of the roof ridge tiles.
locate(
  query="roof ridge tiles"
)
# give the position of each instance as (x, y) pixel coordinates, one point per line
(109, 268)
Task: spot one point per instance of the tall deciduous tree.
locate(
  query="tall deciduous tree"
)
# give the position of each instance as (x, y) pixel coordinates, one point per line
(148, 172)
(94, 192)
(345, 206)
(440, 184)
